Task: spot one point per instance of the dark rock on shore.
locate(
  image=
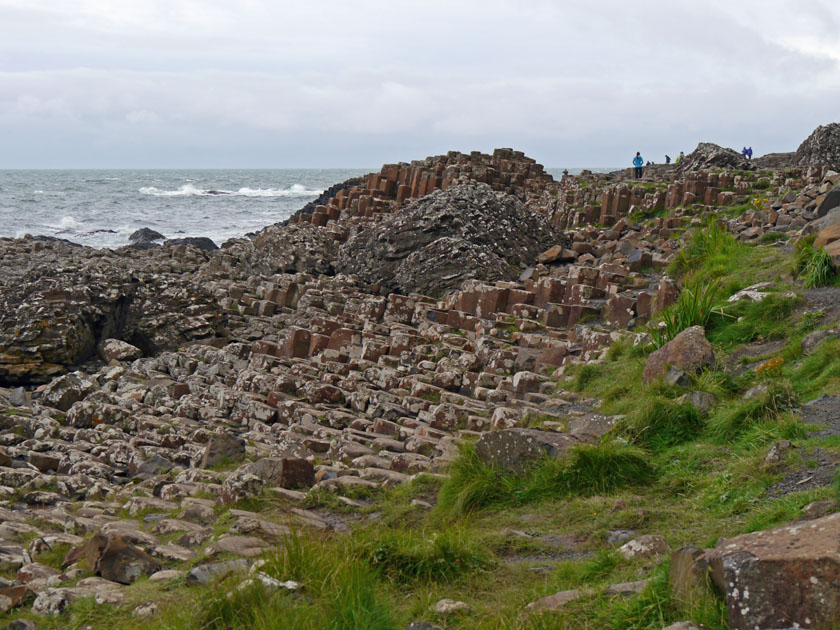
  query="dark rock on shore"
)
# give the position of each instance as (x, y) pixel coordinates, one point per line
(199, 242)
(437, 242)
(145, 237)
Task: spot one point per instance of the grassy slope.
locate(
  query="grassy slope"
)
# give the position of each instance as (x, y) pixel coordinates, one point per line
(492, 540)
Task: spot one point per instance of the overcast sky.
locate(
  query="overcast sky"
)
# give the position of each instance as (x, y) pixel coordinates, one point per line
(331, 83)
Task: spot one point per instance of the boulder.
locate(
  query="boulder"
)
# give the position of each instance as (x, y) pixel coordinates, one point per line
(223, 448)
(62, 392)
(779, 578)
(118, 350)
(515, 449)
(145, 237)
(827, 235)
(111, 557)
(688, 351)
(199, 242)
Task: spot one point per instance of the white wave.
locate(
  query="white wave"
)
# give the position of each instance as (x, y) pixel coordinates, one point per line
(188, 190)
(37, 192)
(66, 223)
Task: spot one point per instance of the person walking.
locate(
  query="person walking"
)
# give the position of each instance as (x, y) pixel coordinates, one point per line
(749, 153)
(638, 162)
(667, 159)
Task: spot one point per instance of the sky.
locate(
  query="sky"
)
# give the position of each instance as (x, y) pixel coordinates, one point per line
(338, 83)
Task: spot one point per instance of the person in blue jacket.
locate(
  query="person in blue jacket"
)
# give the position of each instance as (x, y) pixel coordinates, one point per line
(638, 161)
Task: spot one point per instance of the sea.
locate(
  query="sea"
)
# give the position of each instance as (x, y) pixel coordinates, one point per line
(102, 208)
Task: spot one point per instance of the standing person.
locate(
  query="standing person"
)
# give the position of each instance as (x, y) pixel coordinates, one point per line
(638, 161)
(749, 153)
(667, 159)
(744, 151)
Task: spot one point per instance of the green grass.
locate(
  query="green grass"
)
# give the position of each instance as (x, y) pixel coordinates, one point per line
(749, 321)
(422, 555)
(585, 470)
(818, 271)
(694, 307)
(766, 407)
(658, 423)
(338, 591)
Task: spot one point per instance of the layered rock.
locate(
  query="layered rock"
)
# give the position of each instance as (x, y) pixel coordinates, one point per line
(436, 243)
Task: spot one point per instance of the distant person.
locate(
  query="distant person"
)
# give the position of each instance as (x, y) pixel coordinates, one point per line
(680, 158)
(638, 162)
(565, 172)
(749, 153)
(744, 151)
(667, 159)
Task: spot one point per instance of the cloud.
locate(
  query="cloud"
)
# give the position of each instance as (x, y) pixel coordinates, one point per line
(334, 83)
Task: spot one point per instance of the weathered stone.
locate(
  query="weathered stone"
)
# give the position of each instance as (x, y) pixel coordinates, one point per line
(114, 559)
(118, 350)
(515, 449)
(688, 351)
(788, 576)
(646, 546)
(223, 448)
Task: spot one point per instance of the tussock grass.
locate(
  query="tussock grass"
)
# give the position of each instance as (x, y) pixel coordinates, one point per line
(766, 407)
(752, 321)
(585, 470)
(339, 591)
(406, 556)
(658, 423)
(818, 271)
(694, 307)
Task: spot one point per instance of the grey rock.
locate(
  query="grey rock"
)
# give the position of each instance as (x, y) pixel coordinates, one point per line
(515, 449)
(208, 573)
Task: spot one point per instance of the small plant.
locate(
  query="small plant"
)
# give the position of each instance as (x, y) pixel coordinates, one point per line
(694, 307)
(771, 367)
(818, 271)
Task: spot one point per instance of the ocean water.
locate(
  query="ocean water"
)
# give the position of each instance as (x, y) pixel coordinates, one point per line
(102, 208)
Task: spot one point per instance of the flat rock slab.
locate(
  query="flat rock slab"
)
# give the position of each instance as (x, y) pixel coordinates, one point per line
(779, 578)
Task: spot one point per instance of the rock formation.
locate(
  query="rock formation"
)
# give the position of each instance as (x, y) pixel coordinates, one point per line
(435, 243)
(821, 148)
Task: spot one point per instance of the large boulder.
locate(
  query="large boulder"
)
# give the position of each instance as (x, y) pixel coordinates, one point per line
(822, 147)
(515, 449)
(780, 578)
(688, 351)
(440, 240)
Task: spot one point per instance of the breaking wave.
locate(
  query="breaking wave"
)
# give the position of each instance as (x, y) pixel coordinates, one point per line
(188, 190)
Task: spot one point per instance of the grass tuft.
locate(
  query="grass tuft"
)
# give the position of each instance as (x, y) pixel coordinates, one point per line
(659, 423)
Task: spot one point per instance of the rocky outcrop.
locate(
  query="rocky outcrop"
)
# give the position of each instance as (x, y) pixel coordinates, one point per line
(57, 302)
(438, 242)
(821, 148)
(708, 156)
